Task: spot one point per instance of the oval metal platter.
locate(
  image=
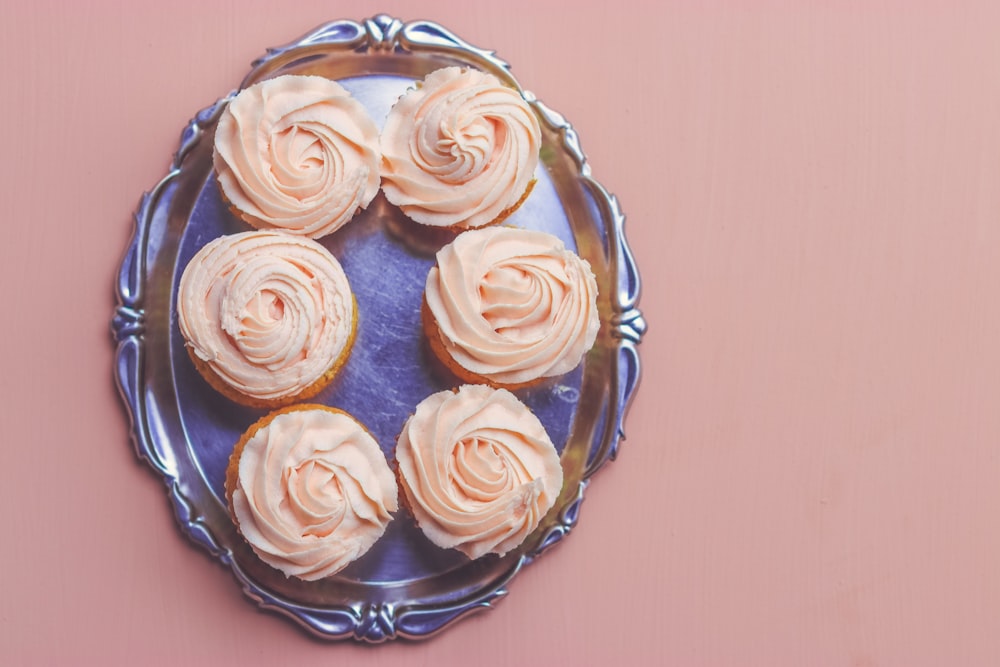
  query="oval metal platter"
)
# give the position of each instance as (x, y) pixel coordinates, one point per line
(405, 586)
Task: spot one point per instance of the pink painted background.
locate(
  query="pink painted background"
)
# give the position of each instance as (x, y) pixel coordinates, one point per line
(812, 469)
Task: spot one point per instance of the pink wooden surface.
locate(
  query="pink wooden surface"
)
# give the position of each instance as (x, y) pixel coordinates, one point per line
(812, 470)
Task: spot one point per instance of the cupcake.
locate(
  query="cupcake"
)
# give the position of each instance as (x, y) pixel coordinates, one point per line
(268, 318)
(477, 470)
(459, 150)
(296, 153)
(509, 307)
(310, 490)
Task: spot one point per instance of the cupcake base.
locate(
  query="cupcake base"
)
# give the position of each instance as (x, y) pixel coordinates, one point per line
(504, 214)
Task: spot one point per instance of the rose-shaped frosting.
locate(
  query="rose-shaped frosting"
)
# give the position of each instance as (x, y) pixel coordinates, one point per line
(297, 153)
(313, 491)
(269, 313)
(478, 469)
(459, 150)
(513, 305)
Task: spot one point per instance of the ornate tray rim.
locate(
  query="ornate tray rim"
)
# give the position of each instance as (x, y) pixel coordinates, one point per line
(370, 621)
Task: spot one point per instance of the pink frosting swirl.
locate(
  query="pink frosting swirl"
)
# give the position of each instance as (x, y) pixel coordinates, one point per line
(297, 153)
(313, 493)
(478, 469)
(269, 313)
(459, 149)
(513, 305)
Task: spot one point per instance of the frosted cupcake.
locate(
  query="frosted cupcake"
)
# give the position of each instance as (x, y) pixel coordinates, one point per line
(477, 470)
(297, 153)
(459, 150)
(310, 490)
(268, 318)
(510, 307)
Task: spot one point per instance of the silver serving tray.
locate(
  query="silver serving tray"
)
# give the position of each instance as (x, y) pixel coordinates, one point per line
(405, 586)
